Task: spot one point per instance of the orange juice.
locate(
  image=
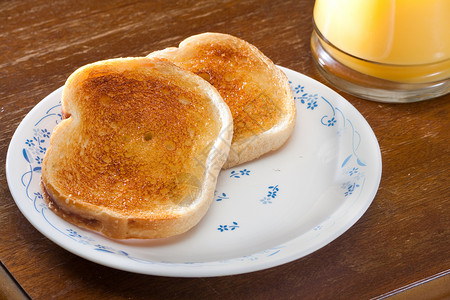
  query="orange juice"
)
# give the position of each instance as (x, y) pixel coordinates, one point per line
(398, 40)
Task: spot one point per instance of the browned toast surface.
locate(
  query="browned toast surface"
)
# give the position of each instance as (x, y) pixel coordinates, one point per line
(256, 91)
(134, 144)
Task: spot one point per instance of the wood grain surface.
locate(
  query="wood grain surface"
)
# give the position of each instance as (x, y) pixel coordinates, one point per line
(403, 238)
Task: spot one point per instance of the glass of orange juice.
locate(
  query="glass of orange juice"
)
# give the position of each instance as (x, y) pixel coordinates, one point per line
(384, 50)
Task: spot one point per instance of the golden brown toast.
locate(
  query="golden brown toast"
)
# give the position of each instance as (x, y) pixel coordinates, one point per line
(256, 91)
(139, 150)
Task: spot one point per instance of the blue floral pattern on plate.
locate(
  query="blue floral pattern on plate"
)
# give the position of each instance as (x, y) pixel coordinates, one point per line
(238, 174)
(229, 227)
(350, 165)
(33, 152)
(271, 194)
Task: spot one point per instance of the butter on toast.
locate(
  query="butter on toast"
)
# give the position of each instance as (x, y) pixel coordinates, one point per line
(139, 148)
(257, 92)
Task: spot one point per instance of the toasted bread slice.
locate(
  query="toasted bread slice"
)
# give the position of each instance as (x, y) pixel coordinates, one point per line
(139, 150)
(257, 92)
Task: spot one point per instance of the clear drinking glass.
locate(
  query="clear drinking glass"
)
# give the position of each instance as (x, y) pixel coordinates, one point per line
(384, 50)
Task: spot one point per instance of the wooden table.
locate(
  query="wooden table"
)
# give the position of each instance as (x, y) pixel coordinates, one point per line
(401, 243)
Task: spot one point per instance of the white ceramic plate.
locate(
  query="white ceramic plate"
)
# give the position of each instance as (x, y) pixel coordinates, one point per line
(265, 213)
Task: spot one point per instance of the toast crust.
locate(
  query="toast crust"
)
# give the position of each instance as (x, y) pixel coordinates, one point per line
(139, 150)
(256, 91)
